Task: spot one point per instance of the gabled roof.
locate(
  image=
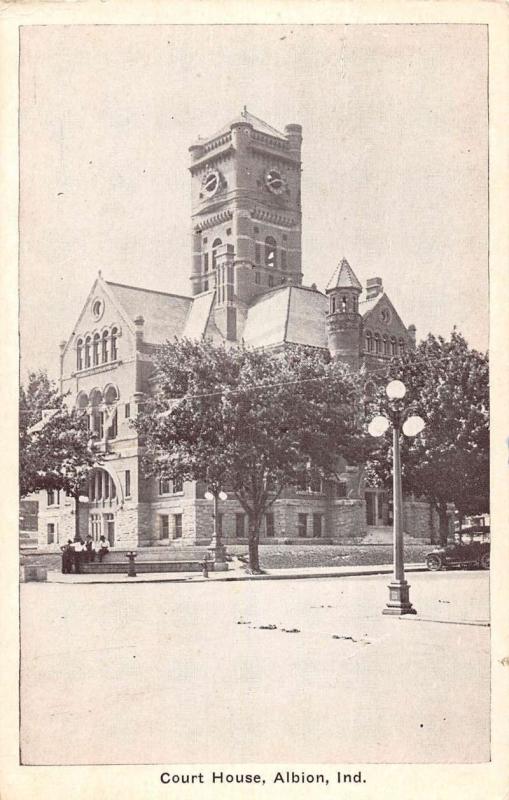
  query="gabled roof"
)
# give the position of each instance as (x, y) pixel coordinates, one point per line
(258, 125)
(287, 315)
(344, 277)
(367, 306)
(164, 314)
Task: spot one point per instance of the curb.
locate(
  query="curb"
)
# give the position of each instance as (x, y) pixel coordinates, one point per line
(193, 578)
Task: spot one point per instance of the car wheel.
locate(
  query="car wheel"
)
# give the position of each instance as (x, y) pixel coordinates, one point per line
(433, 563)
(485, 561)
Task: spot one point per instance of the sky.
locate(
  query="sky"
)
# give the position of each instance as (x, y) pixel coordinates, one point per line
(394, 156)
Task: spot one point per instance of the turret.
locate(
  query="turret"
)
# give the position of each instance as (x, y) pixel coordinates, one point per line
(344, 322)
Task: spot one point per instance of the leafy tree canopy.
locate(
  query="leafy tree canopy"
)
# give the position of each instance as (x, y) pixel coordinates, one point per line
(447, 384)
(249, 421)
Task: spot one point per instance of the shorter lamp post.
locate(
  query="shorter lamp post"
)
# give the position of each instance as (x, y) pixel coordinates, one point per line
(216, 547)
(131, 555)
(402, 420)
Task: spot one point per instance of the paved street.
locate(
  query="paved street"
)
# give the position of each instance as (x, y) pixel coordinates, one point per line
(166, 673)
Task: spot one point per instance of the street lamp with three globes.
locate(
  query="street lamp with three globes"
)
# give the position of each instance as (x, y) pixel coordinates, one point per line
(402, 420)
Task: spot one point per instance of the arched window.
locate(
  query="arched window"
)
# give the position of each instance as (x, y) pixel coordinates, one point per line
(369, 342)
(113, 345)
(95, 350)
(378, 344)
(215, 244)
(394, 346)
(87, 351)
(386, 346)
(82, 401)
(270, 252)
(355, 304)
(104, 354)
(343, 305)
(401, 347)
(79, 354)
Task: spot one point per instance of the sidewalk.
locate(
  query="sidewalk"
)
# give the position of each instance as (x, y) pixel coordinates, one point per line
(236, 573)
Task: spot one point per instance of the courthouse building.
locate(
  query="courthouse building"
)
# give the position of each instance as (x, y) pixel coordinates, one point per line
(246, 277)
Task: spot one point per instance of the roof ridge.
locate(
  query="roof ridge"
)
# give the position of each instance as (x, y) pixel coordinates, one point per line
(152, 291)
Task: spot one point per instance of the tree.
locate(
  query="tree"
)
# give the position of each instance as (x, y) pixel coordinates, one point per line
(448, 385)
(249, 421)
(56, 450)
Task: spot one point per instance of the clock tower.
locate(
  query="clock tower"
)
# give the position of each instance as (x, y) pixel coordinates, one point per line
(246, 215)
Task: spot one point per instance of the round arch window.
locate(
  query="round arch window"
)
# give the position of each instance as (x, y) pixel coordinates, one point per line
(97, 308)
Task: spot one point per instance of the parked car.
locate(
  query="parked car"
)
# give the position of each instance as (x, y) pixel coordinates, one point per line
(473, 553)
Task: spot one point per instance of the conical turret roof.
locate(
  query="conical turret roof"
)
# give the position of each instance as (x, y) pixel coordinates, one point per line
(344, 277)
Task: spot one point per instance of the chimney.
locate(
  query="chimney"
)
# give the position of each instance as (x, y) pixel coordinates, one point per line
(138, 329)
(374, 287)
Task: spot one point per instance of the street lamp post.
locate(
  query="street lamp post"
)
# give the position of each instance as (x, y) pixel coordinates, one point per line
(402, 421)
(216, 547)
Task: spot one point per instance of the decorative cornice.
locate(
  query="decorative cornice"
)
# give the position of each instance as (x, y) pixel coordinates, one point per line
(215, 219)
(269, 152)
(272, 216)
(212, 158)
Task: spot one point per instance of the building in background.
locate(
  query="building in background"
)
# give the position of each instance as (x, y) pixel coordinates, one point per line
(246, 284)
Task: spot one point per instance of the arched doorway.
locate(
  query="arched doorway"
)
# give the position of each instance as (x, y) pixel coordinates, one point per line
(103, 498)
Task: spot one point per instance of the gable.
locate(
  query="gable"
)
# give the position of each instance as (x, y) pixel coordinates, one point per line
(101, 311)
(380, 316)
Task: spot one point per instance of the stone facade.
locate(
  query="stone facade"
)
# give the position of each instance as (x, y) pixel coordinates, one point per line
(246, 284)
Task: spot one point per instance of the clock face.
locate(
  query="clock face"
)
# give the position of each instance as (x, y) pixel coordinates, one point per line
(274, 181)
(211, 182)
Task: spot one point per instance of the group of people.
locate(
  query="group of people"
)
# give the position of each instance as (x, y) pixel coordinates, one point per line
(77, 552)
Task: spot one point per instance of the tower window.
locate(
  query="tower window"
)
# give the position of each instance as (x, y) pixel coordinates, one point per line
(333, 304)
(215, 244)
(205, 240)
(283, 259)
(228, 231)
(205, 262)
(79, 355)
(343, 305)
(257, 253)
(270, 252)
